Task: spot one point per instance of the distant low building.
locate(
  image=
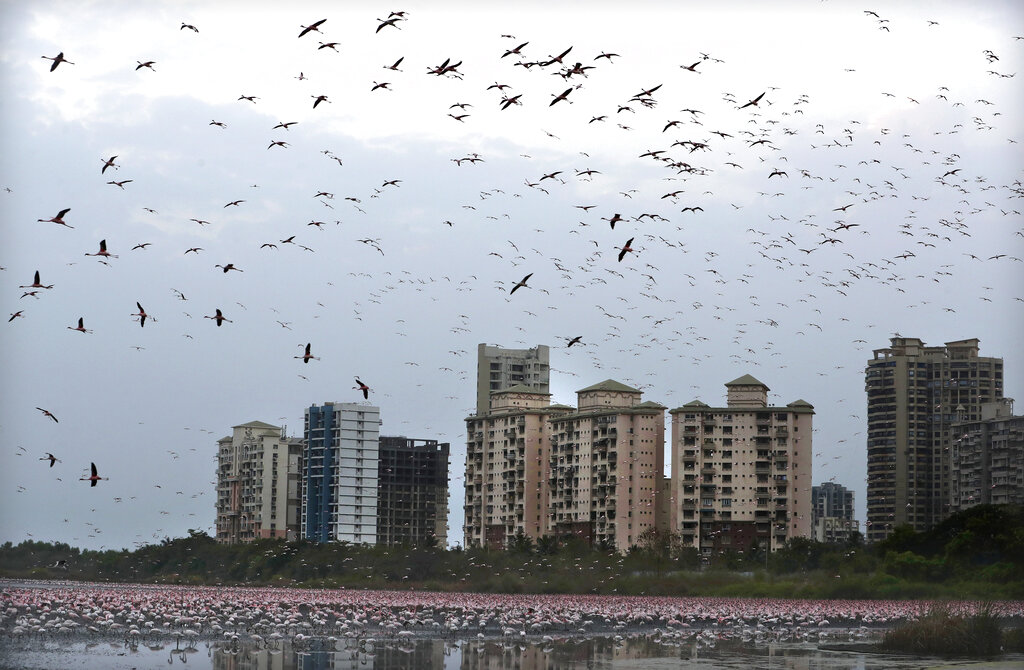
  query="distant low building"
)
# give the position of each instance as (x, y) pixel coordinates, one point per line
(832, 507)
(412, 493)
(258, 491)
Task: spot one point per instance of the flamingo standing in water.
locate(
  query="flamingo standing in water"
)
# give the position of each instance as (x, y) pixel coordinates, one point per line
(92, 478)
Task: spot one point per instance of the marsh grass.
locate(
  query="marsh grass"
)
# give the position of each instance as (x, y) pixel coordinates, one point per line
(943, 632)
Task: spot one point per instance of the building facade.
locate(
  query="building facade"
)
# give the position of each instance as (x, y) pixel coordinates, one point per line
(741, 474)
(988, 458)
(606, 465)
(832, 513)
(258, 486)
(412, 498)
(498, 368)
(340, 473)
(914, 396)
(507, 465)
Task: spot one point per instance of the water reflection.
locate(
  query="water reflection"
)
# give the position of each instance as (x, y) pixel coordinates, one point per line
(647, 652)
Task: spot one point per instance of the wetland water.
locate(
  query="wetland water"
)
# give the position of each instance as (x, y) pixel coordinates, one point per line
(636, 652)
(129, 626)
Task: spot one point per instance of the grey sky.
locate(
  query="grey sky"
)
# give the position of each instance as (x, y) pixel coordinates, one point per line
(858, 110)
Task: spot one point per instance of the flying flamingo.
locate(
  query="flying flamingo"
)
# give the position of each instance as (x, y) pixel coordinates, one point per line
(521, 284)
(80, 328)
(59, 218)
(57, 60)
(108, 162)
(35, 283)
(219, 318)
(142, 315)
(311, 27)
(47, 412)
(306, 356)
(50, 457)
(362, 387)
(103, 251)
(94, 477)
(625, 249)
(228, 267)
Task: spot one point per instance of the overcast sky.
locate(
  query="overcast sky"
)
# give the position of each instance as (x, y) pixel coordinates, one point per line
(873, 188)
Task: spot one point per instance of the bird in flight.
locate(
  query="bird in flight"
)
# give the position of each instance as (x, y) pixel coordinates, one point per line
(149, 64)
(626, 248)
(142, 315)
(50, 457)
(307, 356)
(47, 412)
(103, 251)
(92, 478)
(57, 60)
(108, 162)
(753, 103)
(228, 267)
(363, 388)
(575, 340)
(219, 318)
(121, 183)
(81, 326)
(311, 27)
(35, 282)
(189, 26)
(59, 218)
(521, 284)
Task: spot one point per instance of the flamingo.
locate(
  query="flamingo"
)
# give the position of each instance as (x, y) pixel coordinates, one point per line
(306, 356)
(142, 315)
(59, 218)
(229, 266)
(575, 340)
(103, 251)
(362, 387)
(219, 318)
(81, 326)
(35, 283)
(109, 162)
(311, 27)
(94, 477)
(47, 412)
(50, 457)
(521, 284)
(625, 249)
(57, 60)
(149, 64)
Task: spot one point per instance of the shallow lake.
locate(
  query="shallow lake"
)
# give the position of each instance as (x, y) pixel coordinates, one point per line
(635, 652)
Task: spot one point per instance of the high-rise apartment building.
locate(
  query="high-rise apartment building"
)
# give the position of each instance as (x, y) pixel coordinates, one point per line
(607, 461)
(741, 474)
(340, 473)
(988, 458)
(498, 369)
(412, 494)
(914, 396)
(258, 487)
(832, 513)
(507, 450)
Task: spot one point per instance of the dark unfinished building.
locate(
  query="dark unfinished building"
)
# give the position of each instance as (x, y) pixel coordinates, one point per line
(412, 494)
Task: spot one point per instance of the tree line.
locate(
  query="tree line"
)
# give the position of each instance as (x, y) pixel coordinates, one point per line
(978, 553)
